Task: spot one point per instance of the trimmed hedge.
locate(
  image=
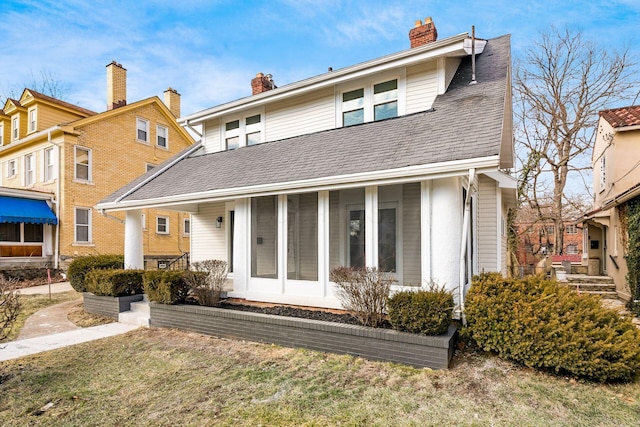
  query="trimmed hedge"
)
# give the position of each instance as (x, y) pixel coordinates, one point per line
(114, 283)
(165, 287)
(536, 322)
(79, 267)
(427, 312)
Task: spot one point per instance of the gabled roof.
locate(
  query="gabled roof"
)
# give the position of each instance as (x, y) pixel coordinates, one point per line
(465, 126)
(622, 117)
(42, 97)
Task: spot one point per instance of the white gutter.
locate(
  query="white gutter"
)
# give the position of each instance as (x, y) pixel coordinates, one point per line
(452, 46)
(463, 244)
(187, 153)
(392, 176)
(31, 137)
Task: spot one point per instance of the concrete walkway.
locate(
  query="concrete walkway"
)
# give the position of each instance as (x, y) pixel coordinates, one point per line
(49, 328)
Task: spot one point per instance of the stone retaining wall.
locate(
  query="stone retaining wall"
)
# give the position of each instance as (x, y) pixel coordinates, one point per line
(108, 306)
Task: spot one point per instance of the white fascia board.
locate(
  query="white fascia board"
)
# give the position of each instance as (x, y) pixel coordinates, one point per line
(627, 128)
(26, 139)
(26, 194)
(452, 46)
(385, 177)
(503, 180)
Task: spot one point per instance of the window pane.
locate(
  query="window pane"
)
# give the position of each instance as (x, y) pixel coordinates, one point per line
(82, 225)
(33, 233)
(233, 125)
(9, 232)
(353, 117)
(385, 91)
(385, 111)
(253, 119)
(162, 136)
(264, 237)
(356, 238)
(387, 240)
(346, 228)
(355, 95)
(82, 164)
(302, 236)
(253, 138)
(233, 143)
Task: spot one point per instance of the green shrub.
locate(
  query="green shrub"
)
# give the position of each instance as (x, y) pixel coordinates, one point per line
(79, 267)
(114, 283)
(540, 324)
(165, 287)
(427, 312)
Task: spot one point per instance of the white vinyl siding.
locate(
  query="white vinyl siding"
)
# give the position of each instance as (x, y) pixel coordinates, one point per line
(207, 241)
(211, 136)
(411, 234)
(312, 112)
(422, 87)
(450, 67)
(487, 224)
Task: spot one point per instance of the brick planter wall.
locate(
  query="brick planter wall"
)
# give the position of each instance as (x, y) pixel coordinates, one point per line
(108, 306)
(370, 343)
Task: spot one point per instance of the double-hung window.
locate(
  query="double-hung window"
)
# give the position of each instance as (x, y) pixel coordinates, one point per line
(162, 225)
(372, 102)
(11, 169)
(29, 170)
(252, 128)
(186, 226)
(353, 107)
(82, 164)
(232, 135)
(1, 134)
(242, 132)
(83, 225)
(142, 131)
(162, 136)
(48, 165)
(385, 100)
(15, 126)
(32, 120)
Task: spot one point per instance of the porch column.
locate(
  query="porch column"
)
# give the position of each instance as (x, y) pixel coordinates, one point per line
(425, 232)
(446, 229)
(133, 252)
(371, 226)
(323, 240)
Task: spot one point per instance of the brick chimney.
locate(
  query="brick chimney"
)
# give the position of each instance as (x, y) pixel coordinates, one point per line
(172, 101)
(422, 34)
(116, 86)
(261, 83)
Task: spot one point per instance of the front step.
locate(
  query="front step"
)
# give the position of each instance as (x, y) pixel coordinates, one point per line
(583, 278)
(138, 315)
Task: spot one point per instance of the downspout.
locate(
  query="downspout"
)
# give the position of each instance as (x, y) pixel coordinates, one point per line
(56, 245)
(463, 244)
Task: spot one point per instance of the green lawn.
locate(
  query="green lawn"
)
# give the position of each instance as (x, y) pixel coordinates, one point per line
(166, 378)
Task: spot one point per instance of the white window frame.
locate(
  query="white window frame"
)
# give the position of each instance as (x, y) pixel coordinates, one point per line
(12, 168)
(1, 134)
(145, 124)
(32, 117)
(571, 229)
(367, 85)
(166, 136)
(166, 226)
(144, 221)
(29, 170)
(573, 245)
(89, 165)
(243, 129)
(15, 128)
(48, 165)
(88, 225)
(186, 230)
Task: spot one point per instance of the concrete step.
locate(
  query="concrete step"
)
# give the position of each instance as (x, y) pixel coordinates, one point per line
(593, 287)
(583, 278)
(139, 315)
(603, 294)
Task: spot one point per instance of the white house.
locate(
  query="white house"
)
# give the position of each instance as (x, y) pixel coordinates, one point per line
(395, 163)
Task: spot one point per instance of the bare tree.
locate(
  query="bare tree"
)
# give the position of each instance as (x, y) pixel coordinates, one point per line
(9, 306)
(559, 87)
(45, 82)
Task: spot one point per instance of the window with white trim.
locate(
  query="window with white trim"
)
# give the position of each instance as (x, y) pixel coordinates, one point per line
(82, 164)
(48, 165)
(372, 102)
(571, 229)
(1, 134)
(142, 130)
(232, 135)
(162, 225)
(12, 170)
(15, 126)
(29, 170)
(242, 132)
(32, 119)
(252, 129)
(162, 136)
(572, 249)
(83, 225)
(186, 227)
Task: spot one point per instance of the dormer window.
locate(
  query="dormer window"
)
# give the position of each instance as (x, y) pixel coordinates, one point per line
(232, 135)
(252, 129)
(385, 100)
(372, 102)
(353, 107)
(32, 120)
(15, 126)
(243, 132)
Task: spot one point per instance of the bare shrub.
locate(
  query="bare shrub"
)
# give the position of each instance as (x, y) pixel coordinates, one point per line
(364, 292)
(9, 306)
(206, 279)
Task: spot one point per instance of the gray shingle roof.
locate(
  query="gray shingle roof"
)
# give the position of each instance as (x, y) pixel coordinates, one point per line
(465, 123)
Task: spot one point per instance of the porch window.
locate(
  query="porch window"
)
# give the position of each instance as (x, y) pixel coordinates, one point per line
(21, 233)
(264, 237)
(9, 232)
(302, 236)
(346, 228)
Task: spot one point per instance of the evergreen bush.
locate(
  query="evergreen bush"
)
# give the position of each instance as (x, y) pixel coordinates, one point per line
(165, 287)
(536, 322)
(427, 312)
(114, 283)
(80, 266)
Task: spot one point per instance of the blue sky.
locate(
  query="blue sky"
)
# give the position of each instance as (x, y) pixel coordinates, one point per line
(209, 50)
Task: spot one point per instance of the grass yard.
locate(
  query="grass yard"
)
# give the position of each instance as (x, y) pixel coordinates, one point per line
(159, 377)
(33, 303)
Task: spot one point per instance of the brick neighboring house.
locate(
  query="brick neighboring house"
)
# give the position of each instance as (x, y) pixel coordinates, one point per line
(616, 181)
(77, 157)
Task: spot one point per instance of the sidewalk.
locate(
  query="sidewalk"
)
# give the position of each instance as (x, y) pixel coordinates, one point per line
(49, 328)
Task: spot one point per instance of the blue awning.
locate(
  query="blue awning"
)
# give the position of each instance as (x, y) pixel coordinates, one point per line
(17, 209)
